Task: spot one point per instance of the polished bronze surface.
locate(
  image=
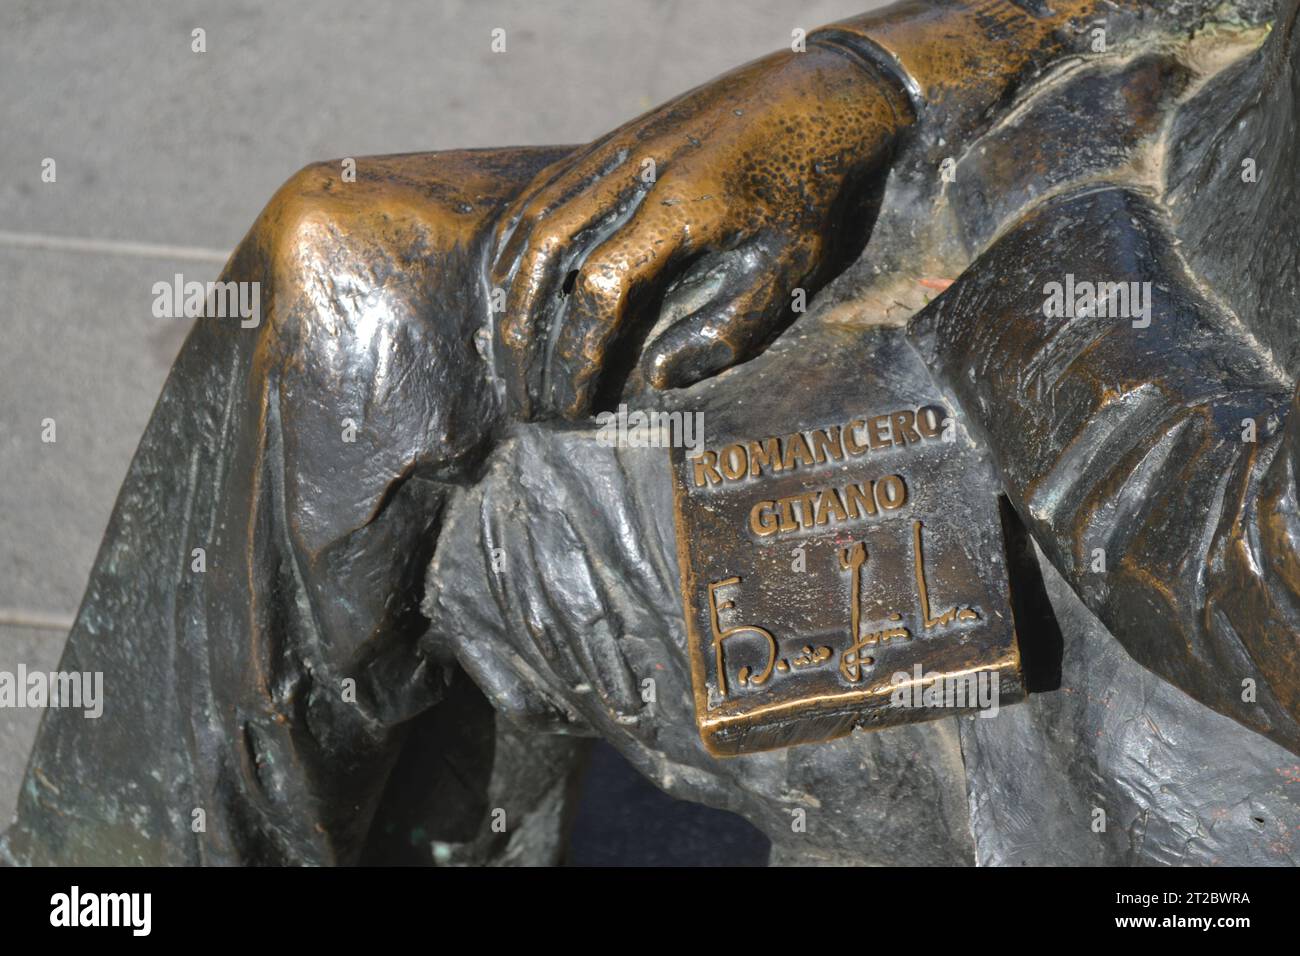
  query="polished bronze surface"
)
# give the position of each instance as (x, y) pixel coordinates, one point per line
(696, 188)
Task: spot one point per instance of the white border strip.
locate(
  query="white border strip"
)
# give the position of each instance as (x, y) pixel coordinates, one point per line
(38, 620)
(113, 247)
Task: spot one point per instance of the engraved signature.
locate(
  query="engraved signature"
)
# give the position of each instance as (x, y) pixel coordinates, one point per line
(745, 676)
(854, 658)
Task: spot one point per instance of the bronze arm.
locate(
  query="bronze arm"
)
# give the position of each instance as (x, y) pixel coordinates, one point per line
(1154, 456)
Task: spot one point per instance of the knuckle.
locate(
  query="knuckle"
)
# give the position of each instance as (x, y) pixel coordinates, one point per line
(603, 283)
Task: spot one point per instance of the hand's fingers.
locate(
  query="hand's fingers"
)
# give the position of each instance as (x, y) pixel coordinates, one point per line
(589, 626)
(534, 279)
(563, 626)
(617, 281)
(755, 303)
(614, 159)
(513, 214)
(596, 180)
(532, 306)
(553, 247)
(533, 637)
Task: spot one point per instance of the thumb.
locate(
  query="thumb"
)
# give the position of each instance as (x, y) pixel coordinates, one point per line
(755, 303)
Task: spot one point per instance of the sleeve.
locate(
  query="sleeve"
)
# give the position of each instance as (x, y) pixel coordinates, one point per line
(1147, 441)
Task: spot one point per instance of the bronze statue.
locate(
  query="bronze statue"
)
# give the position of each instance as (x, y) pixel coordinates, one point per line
(373, 575)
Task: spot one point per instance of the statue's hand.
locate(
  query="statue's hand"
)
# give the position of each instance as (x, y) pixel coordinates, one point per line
(745, 189)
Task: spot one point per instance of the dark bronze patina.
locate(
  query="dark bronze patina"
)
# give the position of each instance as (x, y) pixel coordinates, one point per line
(398, 634)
